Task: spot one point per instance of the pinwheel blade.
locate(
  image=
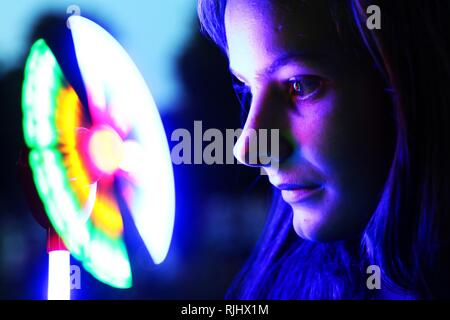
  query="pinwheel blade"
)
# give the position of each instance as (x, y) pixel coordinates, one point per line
(118, 97)
(52, 117)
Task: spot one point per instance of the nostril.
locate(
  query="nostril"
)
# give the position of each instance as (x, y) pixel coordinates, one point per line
(251, 157)
(239, 152)
(245, 150)
(262, 148)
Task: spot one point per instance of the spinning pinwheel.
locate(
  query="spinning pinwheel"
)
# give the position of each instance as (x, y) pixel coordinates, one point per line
(84, 160)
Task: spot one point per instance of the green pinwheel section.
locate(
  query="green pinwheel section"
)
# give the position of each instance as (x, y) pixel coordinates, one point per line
(105, 257)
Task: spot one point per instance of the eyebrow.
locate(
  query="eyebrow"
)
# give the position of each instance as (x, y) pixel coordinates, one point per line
(282, 61)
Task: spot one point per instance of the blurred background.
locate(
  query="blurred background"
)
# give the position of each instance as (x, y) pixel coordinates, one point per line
(220, 209)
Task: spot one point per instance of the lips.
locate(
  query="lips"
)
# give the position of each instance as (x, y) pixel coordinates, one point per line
(295, 193)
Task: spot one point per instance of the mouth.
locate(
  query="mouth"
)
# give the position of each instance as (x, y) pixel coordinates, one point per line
(296, 193)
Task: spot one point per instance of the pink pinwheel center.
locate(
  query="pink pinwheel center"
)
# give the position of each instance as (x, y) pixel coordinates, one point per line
(106, 149)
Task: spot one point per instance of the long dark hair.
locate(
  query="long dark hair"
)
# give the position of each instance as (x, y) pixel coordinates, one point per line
(408, 235)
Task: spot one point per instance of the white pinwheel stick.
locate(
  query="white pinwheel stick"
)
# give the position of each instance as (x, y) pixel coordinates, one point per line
(58, 267)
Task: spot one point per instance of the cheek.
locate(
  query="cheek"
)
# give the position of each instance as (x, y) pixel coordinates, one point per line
(348, 134)
(315, 132)
(348, 137)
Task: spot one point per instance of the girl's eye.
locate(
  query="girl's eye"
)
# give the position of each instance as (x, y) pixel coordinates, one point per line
(304, 87)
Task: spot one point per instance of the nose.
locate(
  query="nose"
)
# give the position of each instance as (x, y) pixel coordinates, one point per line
(264, 141)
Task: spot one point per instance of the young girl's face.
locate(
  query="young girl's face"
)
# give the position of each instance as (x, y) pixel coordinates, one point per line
(335, 122)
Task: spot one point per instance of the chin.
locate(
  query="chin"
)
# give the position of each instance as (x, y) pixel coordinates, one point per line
(311, 233)
(307, 226)
(313, 226)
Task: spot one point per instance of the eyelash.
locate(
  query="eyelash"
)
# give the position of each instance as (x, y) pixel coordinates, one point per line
(300, 88)
(309, 87)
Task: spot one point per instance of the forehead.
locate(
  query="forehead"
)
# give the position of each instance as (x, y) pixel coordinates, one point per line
(259, 31)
